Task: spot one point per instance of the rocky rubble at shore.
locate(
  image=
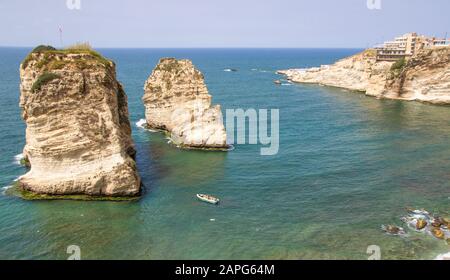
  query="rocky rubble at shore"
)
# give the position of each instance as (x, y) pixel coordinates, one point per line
(421, 221)
(78, 135)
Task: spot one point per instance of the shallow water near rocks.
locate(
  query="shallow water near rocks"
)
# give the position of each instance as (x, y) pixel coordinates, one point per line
(347, 165)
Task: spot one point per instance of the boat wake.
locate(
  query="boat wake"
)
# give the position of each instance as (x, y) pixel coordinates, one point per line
(261, 71)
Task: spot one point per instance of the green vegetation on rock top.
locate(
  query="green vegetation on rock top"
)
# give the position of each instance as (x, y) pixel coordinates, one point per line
(50, 63)
(168, 64)
(43, 48)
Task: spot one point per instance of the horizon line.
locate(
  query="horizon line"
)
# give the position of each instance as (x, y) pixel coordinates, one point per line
(156, 48)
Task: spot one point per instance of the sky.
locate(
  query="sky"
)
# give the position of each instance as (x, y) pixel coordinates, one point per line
(219, 23)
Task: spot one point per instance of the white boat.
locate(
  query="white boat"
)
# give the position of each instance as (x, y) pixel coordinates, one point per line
(208, 198)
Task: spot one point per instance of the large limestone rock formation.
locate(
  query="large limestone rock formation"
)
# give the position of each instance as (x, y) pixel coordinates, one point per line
(78, 136)
(177, 101)
(425, 77)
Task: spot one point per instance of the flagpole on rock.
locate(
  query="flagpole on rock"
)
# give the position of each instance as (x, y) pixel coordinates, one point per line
(61, 36)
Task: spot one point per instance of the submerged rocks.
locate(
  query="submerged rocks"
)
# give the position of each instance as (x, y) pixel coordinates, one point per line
(393, 230)
(421, 224)
(177, 101)
(78, 136)
(438, 233)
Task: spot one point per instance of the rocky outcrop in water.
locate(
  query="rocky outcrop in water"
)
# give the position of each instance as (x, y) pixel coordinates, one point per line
(425, 77)
(177, 101)
(78, 135)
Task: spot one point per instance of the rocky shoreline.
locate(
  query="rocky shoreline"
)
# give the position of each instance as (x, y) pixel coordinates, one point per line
(425, 77)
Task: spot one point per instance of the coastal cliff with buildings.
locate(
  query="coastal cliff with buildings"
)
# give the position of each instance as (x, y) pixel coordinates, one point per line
(78, 135)
(410, 68)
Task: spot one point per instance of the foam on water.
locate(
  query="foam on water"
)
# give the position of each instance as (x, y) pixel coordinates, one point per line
(261, 71)
(141, 123)
(4, 189)
(443, 257)
(231, 148)
(18, 158)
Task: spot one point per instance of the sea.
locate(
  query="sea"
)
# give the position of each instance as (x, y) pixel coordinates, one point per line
(347, 164)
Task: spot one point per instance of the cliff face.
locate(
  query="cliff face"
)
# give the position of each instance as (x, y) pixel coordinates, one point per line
(424, 77)
(177, 101)
(78, 136)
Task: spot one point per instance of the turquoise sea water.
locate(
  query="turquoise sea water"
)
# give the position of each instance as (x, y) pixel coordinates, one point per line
(347, 164)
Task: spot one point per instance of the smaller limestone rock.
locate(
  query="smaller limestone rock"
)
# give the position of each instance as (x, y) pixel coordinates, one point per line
(176, 100)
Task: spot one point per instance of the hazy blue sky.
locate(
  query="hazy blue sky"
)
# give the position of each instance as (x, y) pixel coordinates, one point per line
(218, 23)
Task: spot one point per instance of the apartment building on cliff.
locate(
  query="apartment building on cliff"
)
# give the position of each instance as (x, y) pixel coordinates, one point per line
(407, 46)
(441, 42)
